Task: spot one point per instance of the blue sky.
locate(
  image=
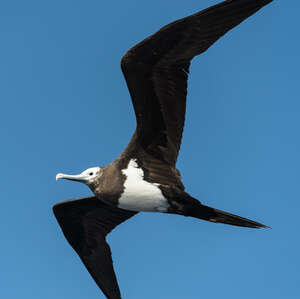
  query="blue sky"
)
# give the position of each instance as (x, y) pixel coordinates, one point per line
(65, 107)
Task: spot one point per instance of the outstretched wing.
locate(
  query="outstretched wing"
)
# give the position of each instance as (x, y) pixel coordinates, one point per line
(156, 71)
(85, 222)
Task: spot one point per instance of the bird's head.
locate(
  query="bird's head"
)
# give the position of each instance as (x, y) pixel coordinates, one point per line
(87, 176)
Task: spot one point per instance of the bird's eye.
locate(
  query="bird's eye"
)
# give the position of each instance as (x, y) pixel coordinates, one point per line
(90, 173)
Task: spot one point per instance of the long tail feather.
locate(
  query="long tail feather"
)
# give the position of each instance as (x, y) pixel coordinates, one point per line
(214, 215)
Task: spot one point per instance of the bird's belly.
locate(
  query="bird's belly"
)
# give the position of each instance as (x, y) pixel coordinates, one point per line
(140, 195)
(148, 199)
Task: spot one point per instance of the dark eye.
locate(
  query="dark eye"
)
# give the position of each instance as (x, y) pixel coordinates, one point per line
(90, 173)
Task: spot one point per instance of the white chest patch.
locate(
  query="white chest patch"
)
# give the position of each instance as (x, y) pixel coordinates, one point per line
(140, 195)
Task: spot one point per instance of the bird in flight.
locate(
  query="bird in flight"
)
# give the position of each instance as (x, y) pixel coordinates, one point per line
(144, 177)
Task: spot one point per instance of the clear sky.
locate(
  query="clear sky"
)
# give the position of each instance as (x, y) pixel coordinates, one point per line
(65, 107)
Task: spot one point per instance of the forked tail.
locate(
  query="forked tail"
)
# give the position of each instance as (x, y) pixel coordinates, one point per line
(214, 215)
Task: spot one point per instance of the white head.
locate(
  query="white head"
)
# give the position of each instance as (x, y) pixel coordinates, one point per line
(86, 177)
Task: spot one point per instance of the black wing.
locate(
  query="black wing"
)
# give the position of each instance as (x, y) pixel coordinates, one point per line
(85, 222)
(156, 71)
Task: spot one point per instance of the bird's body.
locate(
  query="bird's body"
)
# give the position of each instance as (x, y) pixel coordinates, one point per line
(144, 177)
(129, 184)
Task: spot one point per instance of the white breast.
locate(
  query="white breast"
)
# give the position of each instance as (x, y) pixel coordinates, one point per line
(140, 195)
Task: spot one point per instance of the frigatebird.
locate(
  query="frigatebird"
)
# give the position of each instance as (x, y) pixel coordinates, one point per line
(144, 177)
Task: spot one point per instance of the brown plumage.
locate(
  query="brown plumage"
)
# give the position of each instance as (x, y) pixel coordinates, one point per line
(156, 71)
(85, 223)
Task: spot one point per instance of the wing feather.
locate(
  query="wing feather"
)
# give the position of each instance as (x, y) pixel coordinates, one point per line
(85, 223)
(156, 71)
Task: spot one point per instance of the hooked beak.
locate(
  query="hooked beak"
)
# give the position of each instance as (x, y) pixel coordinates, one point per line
(78, 177)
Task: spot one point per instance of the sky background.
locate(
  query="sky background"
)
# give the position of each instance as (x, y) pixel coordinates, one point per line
(65, 107)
